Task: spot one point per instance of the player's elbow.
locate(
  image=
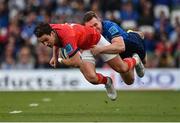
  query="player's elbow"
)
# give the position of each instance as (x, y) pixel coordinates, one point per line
(123, 48)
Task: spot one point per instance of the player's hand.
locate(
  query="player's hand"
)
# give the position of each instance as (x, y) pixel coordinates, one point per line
(53, 62)
(95, 50)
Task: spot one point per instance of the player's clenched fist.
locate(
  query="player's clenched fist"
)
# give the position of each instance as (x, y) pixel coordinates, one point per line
(53, 62)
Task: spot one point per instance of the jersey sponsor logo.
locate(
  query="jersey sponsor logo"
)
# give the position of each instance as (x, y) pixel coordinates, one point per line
(68, 48)
(113, 30)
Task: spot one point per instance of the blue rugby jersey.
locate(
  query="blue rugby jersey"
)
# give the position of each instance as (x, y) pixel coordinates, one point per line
(111, 30)
(133, 42)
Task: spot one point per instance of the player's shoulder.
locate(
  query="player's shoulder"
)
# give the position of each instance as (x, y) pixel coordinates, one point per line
(53, 25)
(109, 26)
(56, 26)
(74, 25)
(109, 23)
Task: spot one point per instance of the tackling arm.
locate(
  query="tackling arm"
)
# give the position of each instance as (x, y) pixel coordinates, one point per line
(116, 47)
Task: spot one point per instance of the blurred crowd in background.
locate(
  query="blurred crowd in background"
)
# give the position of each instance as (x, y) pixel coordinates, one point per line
(158, 19)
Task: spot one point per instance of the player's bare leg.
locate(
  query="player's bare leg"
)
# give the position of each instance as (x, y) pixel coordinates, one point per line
(125, 67)
(118, 64)
(89, 72)
(128, 77)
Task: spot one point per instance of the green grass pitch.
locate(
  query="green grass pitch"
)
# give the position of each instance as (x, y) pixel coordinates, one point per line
(91, 106)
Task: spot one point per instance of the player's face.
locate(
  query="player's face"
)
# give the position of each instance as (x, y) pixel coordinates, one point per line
(95, 23)
(47, 40)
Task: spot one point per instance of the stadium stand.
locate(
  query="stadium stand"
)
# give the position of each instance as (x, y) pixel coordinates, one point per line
(158, 19)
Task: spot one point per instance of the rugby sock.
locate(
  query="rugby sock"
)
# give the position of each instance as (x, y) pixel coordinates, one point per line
(131, 62)
(101, 79)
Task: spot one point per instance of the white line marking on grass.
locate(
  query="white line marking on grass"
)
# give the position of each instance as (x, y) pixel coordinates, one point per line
(15, 112)
(33, 105)
(46, 99)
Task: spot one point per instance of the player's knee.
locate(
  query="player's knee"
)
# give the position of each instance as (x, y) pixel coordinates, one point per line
(129, 81)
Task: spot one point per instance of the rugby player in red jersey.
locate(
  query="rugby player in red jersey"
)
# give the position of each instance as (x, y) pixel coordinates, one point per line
(73, 37)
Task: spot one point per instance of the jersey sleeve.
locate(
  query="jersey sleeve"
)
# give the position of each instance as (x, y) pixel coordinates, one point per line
(112, 30)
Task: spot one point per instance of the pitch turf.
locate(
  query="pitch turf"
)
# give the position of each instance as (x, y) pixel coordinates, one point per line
(91, 106)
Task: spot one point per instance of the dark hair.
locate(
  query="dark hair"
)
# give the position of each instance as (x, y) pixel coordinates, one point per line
(88, 16)
(42, 28)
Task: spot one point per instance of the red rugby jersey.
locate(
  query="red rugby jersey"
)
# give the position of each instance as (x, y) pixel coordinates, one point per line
(76, 36)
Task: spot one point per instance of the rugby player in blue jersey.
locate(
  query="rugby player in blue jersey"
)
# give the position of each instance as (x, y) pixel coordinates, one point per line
(127, 44)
